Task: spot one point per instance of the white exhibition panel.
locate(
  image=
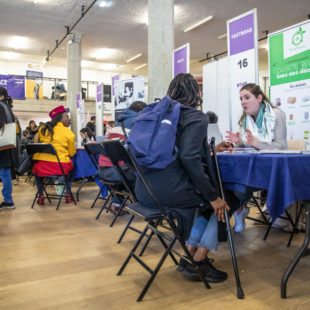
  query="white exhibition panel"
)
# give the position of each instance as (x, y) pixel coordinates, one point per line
(242, 70)
(216, 91)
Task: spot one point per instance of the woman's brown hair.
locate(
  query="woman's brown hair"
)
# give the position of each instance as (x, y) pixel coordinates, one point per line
(256, 91)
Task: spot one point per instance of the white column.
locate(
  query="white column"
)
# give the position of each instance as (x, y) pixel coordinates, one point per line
(73, 76)
(160, 47)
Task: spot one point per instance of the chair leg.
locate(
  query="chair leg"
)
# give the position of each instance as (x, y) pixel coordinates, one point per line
(125, 230)
(98, 195)
(156, 270)
(102, 208)
(119, 211)
(133, 250)
(146, 243)
(59, 200)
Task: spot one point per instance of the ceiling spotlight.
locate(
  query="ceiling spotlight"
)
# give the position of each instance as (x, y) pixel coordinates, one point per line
(222, 36)
(140, 67)
(134, 57)
(70, 41)
(203, 21)
(105, 4)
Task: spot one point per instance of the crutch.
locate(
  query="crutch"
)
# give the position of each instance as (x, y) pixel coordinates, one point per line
(240, 293)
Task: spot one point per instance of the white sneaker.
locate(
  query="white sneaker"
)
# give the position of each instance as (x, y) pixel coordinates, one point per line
(240, 219)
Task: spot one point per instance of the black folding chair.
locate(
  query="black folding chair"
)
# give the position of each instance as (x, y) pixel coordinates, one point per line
(153, 217)
(240, 293)
(115, 188)
(45, 181)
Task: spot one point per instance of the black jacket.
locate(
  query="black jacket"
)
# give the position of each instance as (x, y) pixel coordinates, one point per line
(7, 157)
(185, 183)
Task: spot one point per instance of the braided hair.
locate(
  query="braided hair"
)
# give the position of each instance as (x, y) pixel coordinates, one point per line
(48, 127)
(256, 91)
(185, 89)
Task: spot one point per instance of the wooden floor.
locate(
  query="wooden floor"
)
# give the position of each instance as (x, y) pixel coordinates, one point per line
(68, 260)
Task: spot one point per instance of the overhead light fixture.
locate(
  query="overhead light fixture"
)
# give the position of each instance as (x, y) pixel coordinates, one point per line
(10, 55)
(105, 4)
(18, 42)
(108, 66)
(222, 36)
(134, 57)
(140, 67)
(86, 63)
(104, 53)
(203, 21)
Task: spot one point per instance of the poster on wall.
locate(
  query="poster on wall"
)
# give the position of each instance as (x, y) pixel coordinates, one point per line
(15, 86)
(180, 60)
(126, 92)
(34, 84)
(114, 79)
(99, 110)
(289, 66)
(242, 59)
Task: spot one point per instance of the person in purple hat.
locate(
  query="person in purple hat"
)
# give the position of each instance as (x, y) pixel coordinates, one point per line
(58, 133)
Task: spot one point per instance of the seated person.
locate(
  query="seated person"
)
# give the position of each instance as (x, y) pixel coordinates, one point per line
(185, 186)
(262, 126)
(86, 136)
(106, 169)
(57, 133)
(33, 129)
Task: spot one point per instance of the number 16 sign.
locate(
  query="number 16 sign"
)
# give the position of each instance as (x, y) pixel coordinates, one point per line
(242, 59)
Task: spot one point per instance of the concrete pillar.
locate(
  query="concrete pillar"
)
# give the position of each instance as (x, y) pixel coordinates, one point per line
(73, 76)
(160, 47)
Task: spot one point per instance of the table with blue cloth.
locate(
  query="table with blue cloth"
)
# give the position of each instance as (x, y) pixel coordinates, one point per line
(83, 168)
(286, 177)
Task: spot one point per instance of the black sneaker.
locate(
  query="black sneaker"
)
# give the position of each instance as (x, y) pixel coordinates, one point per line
(7, 205)
(210, 273)
(182, 264)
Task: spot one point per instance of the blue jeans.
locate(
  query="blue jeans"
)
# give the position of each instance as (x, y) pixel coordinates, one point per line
(104, 189)
(5, 174)
(204, 233)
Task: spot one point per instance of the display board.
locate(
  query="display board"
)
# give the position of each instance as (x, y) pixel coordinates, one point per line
(242, 59)
(79, 115)
(289, 66)
(126, 92)
(216, 91)
(181, 60)
(34, 84)
(99, 109)
(15, 86)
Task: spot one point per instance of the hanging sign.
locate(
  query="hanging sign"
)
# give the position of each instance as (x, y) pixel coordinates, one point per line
(242, 59)
(181, 60)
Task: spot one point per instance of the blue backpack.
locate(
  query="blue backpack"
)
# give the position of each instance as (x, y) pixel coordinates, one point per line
(152, 137)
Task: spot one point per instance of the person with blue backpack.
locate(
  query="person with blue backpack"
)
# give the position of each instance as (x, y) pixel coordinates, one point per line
(171, 149)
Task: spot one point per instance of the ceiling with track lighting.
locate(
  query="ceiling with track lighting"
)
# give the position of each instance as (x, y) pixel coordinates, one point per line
(115, 31)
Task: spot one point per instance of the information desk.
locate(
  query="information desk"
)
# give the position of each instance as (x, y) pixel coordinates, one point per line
(286, 177)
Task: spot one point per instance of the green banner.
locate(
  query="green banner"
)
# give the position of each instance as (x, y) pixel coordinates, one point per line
(289, 55)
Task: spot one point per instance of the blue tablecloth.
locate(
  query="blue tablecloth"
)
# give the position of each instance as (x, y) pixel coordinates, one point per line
(83, 167)
(285, 176)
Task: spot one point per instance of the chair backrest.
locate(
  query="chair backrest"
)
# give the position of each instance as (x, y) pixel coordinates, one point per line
(118, 155)
(43, 148)
(94, 149)
(117, 152)
(296, 145)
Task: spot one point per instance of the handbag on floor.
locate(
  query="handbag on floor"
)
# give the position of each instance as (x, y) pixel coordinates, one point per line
(8, 131)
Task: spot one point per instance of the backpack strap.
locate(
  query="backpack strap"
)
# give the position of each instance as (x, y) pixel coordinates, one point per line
(7, 112)
(124, 129)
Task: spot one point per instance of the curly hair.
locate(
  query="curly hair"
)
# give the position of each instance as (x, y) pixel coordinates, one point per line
(185, 89)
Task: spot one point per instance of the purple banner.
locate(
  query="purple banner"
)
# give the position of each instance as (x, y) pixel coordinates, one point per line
(114, 79)
(99, 93)
(78, 100)
(241, 34)
(180, 61)
(15, 86)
